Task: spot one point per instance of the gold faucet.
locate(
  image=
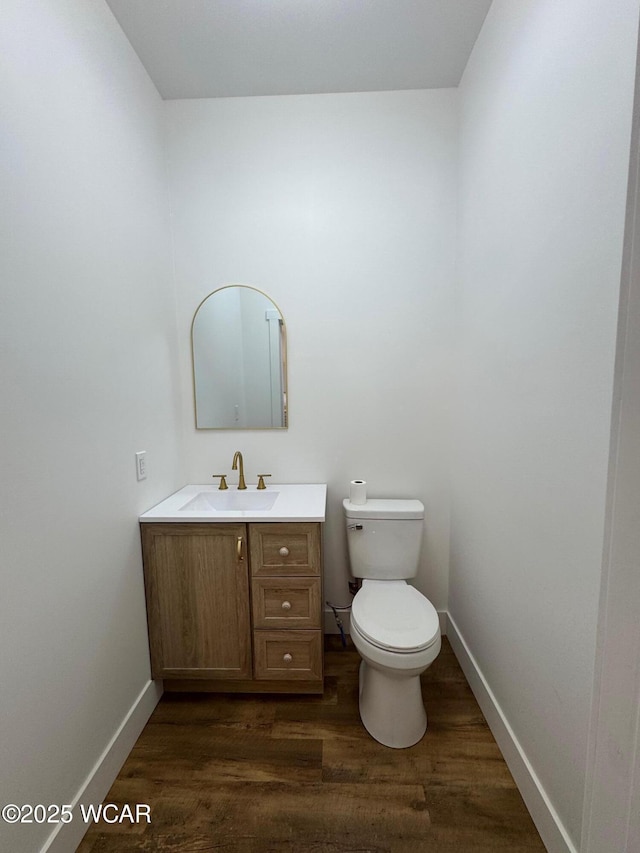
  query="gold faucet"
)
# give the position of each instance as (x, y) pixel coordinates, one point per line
(234, 467)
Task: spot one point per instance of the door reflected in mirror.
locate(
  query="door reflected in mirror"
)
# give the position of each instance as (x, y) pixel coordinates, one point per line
(238, 344)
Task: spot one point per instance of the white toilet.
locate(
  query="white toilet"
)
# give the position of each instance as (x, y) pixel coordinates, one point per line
(393, 626)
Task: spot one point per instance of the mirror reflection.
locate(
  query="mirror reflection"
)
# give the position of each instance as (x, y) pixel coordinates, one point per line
(239, 361)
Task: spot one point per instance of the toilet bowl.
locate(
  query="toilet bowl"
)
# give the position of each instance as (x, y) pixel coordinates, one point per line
(397, 633)
(395, 629)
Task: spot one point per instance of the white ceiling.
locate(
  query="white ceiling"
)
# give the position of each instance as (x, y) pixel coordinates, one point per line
(222, 48)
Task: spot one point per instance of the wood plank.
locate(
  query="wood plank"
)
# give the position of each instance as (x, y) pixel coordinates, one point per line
(226, 711)
(215, 754)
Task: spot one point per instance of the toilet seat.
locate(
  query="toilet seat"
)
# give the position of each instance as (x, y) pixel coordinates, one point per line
(395, 617)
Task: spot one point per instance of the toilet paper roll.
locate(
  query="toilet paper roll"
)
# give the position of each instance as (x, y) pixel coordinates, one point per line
(358, 491)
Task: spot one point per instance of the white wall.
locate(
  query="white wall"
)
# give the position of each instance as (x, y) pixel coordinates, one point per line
(87, 378)
(545, 127)
(342, 209)
(612, 799)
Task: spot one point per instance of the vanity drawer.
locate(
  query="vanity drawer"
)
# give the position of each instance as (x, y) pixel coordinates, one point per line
(287, 655)
(285, 549)
(286, 602)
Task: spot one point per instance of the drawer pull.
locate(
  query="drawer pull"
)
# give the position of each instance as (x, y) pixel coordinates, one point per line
(286, 605)
(239, 549)
(284, 551)
(287, 658)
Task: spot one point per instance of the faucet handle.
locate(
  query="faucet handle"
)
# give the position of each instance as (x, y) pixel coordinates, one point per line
(223, 481)
(261, 484)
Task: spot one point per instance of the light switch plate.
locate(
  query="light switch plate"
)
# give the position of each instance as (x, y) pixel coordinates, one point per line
(141, 465)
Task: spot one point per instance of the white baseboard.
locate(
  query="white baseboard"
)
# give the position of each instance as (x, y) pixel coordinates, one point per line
(67, 836)
(545, 817)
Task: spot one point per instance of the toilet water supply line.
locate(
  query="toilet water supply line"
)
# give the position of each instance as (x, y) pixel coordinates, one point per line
(335, 608)
(357, 495)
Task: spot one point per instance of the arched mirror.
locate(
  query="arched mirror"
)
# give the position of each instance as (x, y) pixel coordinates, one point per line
(239, 353)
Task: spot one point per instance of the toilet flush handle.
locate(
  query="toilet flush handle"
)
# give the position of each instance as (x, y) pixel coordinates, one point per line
(354, 527)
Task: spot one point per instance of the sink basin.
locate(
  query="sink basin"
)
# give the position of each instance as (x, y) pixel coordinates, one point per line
(230, 501)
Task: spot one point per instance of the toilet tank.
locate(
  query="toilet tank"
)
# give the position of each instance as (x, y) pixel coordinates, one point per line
(384, 538)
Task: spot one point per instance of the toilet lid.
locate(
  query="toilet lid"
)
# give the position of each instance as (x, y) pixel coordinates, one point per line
(394, 615)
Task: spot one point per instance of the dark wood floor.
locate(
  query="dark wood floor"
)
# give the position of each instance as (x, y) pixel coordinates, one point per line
(300, 774)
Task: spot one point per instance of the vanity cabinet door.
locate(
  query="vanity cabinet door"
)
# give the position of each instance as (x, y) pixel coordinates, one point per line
(197, 589)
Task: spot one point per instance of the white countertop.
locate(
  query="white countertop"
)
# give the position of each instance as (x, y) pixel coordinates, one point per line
(294, 502)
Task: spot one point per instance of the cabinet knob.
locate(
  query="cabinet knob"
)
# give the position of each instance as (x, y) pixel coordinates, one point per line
(287, 658)
(286, 605)
(284, 551)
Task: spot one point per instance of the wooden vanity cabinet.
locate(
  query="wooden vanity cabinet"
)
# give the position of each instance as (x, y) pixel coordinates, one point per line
(235, 607)
(197, 589)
